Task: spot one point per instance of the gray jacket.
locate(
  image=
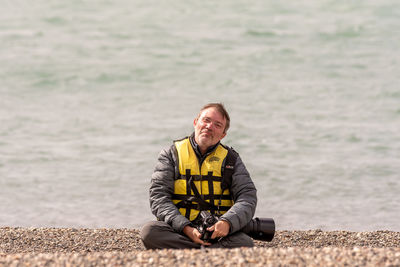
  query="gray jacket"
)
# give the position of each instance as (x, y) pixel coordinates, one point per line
(242, 190)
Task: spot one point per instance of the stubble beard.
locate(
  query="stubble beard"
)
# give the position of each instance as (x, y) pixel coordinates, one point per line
(206, 140)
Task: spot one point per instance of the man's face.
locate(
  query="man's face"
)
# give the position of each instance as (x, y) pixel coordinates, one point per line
(209, 128)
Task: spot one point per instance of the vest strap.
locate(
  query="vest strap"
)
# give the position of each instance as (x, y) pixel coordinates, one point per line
(185, 197)
(203, 204)
(229, 167)
(188, 205)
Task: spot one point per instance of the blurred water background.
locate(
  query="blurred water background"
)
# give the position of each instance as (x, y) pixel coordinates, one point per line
(91, 91)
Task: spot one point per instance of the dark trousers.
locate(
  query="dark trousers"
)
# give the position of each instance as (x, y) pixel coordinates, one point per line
(159, 235)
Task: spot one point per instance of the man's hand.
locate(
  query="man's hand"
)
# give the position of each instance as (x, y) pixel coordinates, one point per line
(221, 229)
(194, 235)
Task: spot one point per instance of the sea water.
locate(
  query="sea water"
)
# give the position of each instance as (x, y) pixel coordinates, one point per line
(91, 91)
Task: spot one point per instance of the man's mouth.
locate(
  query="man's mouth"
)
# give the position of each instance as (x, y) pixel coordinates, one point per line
(206, 132)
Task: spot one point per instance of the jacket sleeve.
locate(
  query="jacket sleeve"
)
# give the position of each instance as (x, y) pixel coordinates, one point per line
(161, 190)
(244, 195)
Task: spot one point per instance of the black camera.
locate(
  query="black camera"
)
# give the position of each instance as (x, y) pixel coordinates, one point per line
(206, 219)
(258, 228)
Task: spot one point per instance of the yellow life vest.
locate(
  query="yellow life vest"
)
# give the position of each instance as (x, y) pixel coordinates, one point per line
(200, 181)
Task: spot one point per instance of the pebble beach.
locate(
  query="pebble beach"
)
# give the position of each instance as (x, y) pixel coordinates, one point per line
(123, 247)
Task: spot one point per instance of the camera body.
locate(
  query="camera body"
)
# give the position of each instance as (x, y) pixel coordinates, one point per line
(258, 228)
(206, 220)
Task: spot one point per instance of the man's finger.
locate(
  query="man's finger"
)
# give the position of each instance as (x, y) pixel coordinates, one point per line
(197, 233)
(205, 243)
(201, 242)
(214, 235)
(196, 238)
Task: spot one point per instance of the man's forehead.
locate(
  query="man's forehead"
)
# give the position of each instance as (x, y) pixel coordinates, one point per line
(214, 113)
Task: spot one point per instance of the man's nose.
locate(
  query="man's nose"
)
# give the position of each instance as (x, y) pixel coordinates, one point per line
(209, 125)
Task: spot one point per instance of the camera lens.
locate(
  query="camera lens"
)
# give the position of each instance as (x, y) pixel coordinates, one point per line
(260, 229)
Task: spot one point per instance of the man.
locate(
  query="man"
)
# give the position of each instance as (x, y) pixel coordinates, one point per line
(194, 174)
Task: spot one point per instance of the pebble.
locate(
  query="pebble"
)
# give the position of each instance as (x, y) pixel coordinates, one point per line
(123, 247)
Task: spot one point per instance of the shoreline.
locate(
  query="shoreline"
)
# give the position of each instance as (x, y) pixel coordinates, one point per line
(104, 247)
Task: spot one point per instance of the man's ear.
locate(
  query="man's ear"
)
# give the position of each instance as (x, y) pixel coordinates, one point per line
(195, 122)
(223, 135)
